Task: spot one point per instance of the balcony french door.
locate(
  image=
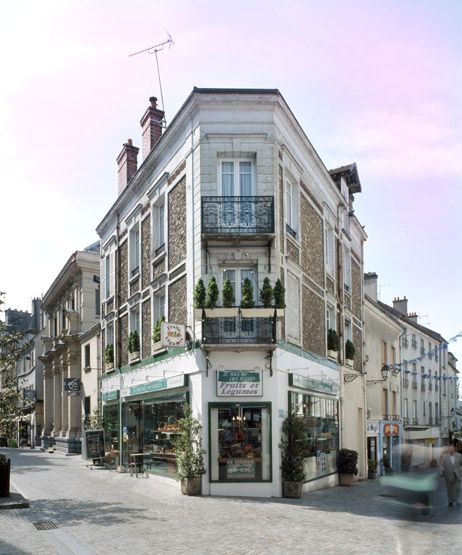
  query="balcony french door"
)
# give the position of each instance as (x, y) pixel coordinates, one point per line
(237, 180)
(237, 277)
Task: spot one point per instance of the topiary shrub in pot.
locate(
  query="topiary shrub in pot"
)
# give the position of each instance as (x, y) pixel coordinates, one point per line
(347, 466)
(349, 352)
(294, 450)
(332, 343)
(266, 293)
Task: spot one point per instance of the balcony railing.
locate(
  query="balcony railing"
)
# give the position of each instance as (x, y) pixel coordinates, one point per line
(238, 330)
(237, 215)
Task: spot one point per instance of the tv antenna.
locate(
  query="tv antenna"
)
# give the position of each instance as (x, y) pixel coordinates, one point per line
(154, 50)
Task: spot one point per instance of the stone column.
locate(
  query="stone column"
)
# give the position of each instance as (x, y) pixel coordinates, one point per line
(57, 388)
(64, 397)
(47, 400)
(74, 401)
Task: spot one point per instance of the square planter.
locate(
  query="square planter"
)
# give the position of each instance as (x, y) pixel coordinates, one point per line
(133, 356)
(292, 490)
(346, 479)
(191, 486)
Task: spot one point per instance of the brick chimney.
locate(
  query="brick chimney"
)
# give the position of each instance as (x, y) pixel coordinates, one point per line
(128, 164)
(151, 123)
(370, 285)
(400, 305)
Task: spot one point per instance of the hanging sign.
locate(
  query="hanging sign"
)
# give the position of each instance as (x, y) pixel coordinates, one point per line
(173, 335)
(72, 386)
(239, 383)
(391, 430)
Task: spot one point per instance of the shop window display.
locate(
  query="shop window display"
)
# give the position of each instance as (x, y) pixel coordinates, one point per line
(320, 417)
(240, 448)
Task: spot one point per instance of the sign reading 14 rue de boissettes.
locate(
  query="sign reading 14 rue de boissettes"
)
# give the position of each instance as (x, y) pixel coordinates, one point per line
(239, 383)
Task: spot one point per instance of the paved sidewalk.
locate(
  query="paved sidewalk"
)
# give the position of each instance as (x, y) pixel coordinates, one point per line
(101, 511)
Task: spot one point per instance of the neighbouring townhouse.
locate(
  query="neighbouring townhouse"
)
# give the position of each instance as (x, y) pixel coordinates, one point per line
(384, 425)
(71, 307)
(232, 196)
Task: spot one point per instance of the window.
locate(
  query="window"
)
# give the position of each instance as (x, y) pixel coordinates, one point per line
(108, 275)
(237, 178)
(110, 334)
(385, 403)
(240, 448)
(405, 408)
(87, 406)
(394, 404)
(414, 410)
(87, 357)
(97, 302)
(348, 330)
(135, 319)
(430, 413)
(293, 307)
(292, 208)
(159, 227)
(424, 412)
(384, 353)
(330, 317)
(413, 341)
(437, 414)
(329, 248)
(422, 346)
(135, 249)
(436, 353)
(393, 357)
(346, 269)
(159, 306)
(238, 276)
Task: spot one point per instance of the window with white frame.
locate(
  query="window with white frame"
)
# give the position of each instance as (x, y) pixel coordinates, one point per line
(237, 177)
(237, 276)
(135, 319)
(108, 273)
(348, 330)
(331, 322)
(292, 193)
(159, 306)
(329, 247)
(134, 249)
(293, 307)
(346, 269)
(110, 334)
(158, 216)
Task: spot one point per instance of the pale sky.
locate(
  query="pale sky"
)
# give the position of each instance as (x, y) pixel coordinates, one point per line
(372, 82)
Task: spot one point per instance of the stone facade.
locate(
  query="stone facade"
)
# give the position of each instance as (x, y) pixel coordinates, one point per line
(330, 285)
(293, 252)
(123, 273)
(158, 269)
(358, 343)
(146, 332)
(123, 338)
(281, 208)
(145, 252)
(134, 286)
(356, 282)
(177, 301)
(177, 224)
(314, 332)
(312, 242)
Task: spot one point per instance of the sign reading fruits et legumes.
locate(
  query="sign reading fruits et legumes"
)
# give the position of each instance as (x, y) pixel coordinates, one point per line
(239, 383)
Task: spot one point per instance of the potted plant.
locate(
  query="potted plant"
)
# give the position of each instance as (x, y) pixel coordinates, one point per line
(189, 453)
(227, 294)
(347, 466)
(156, 334)
(349, 352)
(134, 345)
(4, 476)
(332, 343)
(212, 293)
(372, 469)
(199, 294)
(294, 449)
(266, 293)
(279, 293)
(109, 356)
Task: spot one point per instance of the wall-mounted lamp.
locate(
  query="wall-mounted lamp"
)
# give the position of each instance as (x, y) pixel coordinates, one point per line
(384, 371)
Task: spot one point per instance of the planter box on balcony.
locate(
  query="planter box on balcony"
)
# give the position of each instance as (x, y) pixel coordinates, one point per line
(349, 362)
(257, 312)
(221, 312)
(133, 356)
(332, 354)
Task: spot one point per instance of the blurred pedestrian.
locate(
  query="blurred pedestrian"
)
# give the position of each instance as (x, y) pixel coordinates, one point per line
(451, 467)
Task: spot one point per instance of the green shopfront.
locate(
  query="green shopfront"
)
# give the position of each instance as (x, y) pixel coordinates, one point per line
(143, 421)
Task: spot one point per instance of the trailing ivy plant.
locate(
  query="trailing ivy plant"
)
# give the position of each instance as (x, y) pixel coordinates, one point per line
(247, 300)
(199, 294)
(279, 293)
(266, 293)
(212, 293)
(227, 294)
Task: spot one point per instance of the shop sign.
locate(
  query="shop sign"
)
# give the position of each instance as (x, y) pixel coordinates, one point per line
(239, 469)
(239, 383)
(173, 335)
(72, 386)
(110, 395)
(391, 430)
(309, 383)
(94, 443)
(156, 385)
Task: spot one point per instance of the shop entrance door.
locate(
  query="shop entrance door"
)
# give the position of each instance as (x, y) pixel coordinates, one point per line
(132, 415)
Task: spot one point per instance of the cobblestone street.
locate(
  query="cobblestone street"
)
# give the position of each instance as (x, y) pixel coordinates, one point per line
(101, 511)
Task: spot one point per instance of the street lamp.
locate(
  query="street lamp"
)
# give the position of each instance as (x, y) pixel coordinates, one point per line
(386, 368)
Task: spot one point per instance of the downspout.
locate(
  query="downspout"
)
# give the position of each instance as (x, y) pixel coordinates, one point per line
(340, 323)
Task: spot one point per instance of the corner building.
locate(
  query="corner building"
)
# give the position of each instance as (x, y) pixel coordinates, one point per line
(232, 189)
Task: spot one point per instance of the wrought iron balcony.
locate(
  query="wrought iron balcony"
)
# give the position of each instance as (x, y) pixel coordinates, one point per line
(238, 330)
(237, 215)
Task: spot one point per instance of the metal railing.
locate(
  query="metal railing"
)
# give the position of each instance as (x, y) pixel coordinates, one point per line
(234, 330)
(238, 215)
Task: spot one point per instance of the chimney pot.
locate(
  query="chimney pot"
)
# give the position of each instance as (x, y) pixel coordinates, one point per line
(127, 162)
(151, 124)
